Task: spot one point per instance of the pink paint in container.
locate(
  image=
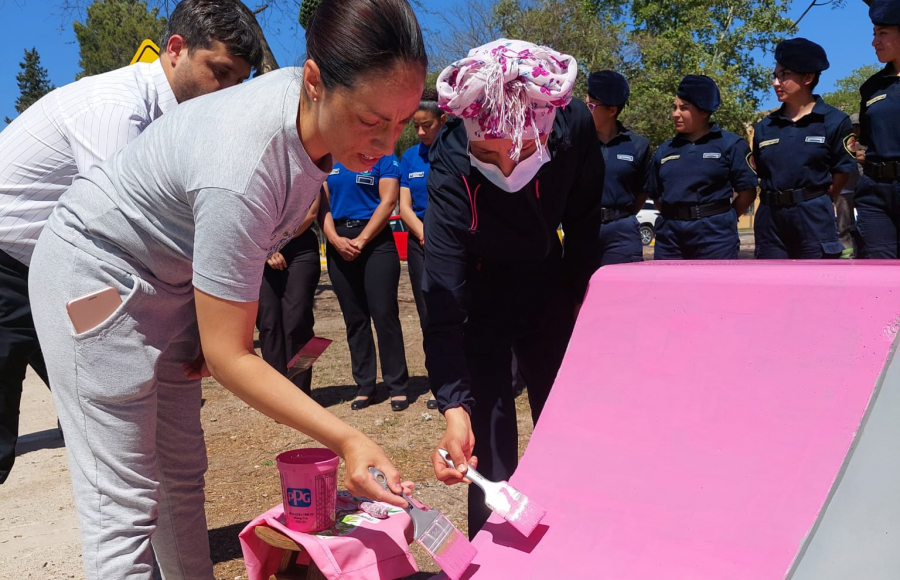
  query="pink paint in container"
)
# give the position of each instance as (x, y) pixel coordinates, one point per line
(308, 488)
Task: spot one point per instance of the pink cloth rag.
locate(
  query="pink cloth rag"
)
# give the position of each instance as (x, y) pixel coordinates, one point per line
(357, 547)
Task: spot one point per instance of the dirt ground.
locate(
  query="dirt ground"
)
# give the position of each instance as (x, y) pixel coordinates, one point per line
(38, 527)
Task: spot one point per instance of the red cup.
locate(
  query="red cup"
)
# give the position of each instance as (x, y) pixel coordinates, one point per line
(308, 488)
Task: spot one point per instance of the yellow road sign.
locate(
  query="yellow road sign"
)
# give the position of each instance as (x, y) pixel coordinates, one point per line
(147, 52)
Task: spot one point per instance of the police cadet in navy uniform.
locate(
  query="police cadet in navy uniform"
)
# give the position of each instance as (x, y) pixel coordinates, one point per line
(804, 152)
(428, 122)
(628, 163)
(878, 195)
(695, 176)
(365, 270)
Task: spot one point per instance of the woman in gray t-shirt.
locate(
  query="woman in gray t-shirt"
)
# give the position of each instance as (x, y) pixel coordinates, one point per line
(180, 223)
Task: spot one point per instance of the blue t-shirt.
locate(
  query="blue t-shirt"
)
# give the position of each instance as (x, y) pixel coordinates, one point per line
(709, 169)
(628, 163)
(794, 155)
(414, 175)
(354, 196)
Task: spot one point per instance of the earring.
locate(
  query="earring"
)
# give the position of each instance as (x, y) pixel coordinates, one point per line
(315, 99)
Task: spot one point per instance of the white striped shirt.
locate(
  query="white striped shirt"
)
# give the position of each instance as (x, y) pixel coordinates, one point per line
(65, 133)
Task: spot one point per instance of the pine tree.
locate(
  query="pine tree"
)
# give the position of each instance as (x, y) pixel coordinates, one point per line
(112, 31)
(33, 81)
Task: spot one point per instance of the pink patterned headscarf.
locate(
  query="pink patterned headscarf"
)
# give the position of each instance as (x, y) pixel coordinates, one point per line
(508, 89)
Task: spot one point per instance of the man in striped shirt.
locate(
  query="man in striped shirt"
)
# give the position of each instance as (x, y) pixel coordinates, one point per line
(208, 45)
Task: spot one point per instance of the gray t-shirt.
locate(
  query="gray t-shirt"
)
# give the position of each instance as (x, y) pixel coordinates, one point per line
(205, 195)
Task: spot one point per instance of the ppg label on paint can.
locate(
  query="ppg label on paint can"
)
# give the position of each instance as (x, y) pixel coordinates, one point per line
(299, 497)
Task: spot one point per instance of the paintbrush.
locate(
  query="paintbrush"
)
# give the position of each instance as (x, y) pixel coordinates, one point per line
(434, 532)
(307, 355)
(504, 500)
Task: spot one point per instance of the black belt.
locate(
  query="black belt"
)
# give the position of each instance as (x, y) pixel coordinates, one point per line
(788, 197)
(687, 212)
(611, 214)
(882, 170)
(350, 223)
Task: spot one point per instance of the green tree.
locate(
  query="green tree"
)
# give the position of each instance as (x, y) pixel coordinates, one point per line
(655, 44)
(112, 31)
(846, 96)
(716, 38)
(33, 81)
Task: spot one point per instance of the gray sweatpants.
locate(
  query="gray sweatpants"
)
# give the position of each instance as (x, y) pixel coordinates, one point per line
(131, 417)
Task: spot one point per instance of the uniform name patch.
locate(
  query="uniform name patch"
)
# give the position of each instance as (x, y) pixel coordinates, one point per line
(815, 139)
(669, 158)
(873, 100)
(335, 171)
(625, 157)
(769, 142)
(416, 174)
(365, 180)
(712, 155)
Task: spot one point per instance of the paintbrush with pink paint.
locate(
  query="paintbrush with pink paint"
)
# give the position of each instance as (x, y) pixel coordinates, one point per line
(504, 500)
(434, 532)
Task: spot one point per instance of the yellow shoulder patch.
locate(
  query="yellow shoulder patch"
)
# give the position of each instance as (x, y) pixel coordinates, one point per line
(669, 158)
(769, 142)
(871, 101)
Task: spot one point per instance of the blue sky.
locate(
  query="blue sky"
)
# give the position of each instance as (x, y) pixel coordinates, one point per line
(845, 34)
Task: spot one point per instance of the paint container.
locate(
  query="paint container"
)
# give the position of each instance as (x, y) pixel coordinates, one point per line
(308, 488)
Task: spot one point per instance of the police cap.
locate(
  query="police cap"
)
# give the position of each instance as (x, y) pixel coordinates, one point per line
(801, 55)
(885, 12)
(608, 87)
(701, 91)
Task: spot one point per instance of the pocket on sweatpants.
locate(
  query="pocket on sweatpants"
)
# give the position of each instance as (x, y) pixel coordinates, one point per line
(113, 361)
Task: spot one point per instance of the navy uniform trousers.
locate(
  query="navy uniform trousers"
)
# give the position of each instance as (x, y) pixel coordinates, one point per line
(366, 289)
(878, 206)
(286, 298)
(620, 241)
(18, 348)
(805, 231)
(709, 238)
(512, 309)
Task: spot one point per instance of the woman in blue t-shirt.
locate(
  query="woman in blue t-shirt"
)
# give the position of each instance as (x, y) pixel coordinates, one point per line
(365, 271)
(428, 121)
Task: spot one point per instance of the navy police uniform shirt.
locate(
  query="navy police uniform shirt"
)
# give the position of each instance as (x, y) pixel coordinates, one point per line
(879, 116)
(805, 153)
(628, 164)
(414, 176)
(354, 196)
(706, 170)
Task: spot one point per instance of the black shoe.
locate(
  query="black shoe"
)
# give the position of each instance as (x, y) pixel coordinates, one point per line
(431, 404)
(358, 404)
(400, 405)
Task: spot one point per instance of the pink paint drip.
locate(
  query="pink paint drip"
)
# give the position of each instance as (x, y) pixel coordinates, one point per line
(376, 509)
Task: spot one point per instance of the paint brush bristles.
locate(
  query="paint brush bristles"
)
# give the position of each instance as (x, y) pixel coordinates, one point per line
(449, 548)
(505, 500)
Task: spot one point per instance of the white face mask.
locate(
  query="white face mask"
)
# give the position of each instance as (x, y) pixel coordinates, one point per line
(521, 175)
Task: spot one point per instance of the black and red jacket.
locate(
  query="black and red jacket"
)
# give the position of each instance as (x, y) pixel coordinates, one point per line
(469, 221)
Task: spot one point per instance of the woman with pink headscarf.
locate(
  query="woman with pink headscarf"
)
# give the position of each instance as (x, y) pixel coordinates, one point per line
(523, 160)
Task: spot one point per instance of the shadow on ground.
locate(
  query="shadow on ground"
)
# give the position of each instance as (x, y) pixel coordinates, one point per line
(224, 544)
(338, 394)
(46, 439)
